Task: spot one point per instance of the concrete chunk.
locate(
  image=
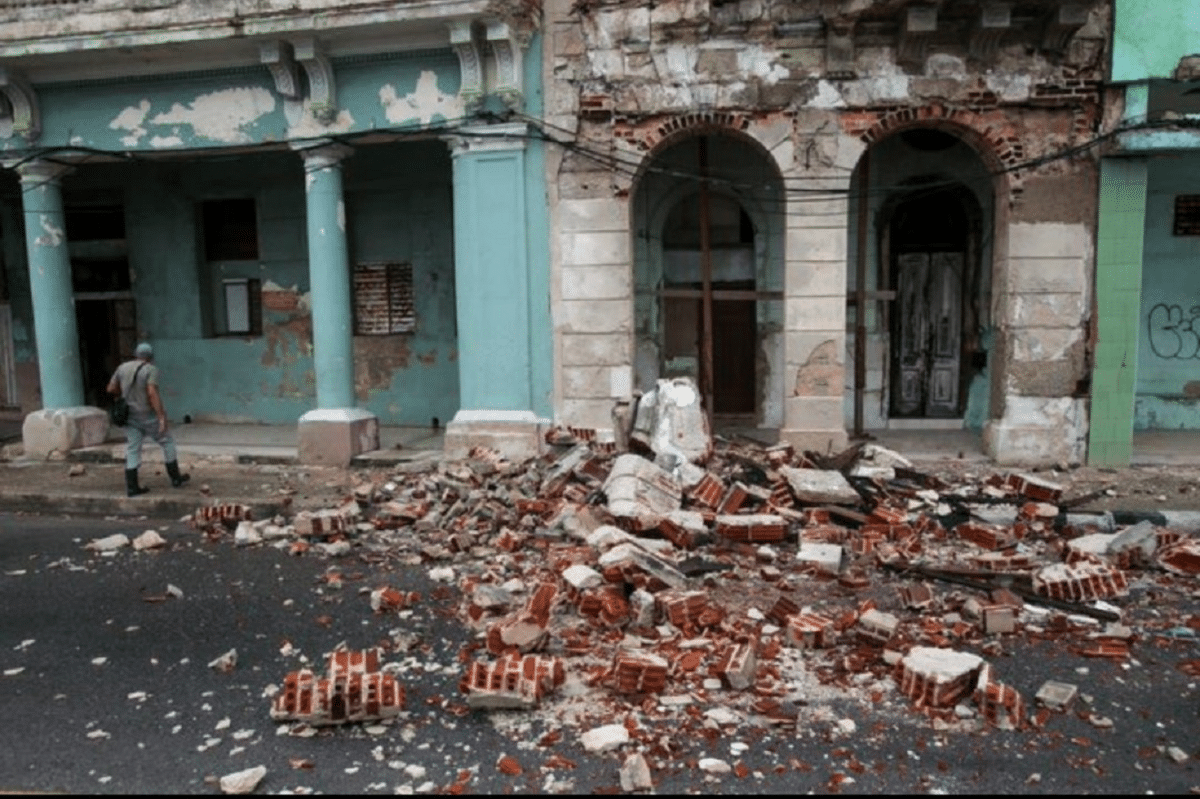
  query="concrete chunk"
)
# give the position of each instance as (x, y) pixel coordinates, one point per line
(672, 424)
(826, 557)
(638, 489)
(820, 486)
(604, 739)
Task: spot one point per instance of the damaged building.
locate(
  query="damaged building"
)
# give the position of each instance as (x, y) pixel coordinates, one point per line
(834, 215)
(323, 214)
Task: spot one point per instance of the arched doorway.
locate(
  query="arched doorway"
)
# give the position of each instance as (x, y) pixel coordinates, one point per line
(708, 275)
(932, 266)
(923, 240)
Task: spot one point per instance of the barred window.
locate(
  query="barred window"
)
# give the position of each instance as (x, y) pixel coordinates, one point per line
(383, 299)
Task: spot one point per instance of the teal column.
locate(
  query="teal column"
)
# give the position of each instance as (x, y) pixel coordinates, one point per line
(492, 271)
(50, 285)
(329, 276)
(1119, 247)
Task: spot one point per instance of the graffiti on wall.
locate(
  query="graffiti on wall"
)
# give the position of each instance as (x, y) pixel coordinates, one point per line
(1174, 334)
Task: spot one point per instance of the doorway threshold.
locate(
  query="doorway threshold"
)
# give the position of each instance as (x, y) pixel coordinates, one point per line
(924, 424)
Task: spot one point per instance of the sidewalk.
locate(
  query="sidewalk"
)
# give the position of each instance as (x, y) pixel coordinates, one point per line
(256, 465)
(244, 464)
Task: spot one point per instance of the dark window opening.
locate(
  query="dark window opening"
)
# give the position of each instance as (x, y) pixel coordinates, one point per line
(384, 301)
(94, 223)
(230, 230)
(1187, 215)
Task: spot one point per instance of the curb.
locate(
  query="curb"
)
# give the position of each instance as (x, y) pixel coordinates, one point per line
(142, 506)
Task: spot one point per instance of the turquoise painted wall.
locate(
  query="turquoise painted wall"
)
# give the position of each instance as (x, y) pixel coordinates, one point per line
(1150, 36)
(1168, 379)
(398, 199)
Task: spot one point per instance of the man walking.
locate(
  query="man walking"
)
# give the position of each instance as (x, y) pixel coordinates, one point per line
(137, 380)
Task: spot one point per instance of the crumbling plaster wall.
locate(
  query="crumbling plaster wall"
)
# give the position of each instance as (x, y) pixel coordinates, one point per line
(621, 79)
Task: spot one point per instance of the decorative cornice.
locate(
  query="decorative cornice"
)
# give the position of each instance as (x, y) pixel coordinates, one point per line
(508, 51)
(20, 104)
(279, 57)
(462, 40)
(322, 91)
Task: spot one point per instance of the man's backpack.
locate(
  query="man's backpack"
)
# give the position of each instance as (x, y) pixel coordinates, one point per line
(118, 411)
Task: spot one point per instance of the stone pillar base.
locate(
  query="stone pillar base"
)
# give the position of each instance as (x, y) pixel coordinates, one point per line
(516, 435)
(333, 436)
(822, 441)
(1038, 431)
(63, 429)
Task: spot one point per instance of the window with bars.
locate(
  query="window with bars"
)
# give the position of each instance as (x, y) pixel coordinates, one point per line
(383, 299)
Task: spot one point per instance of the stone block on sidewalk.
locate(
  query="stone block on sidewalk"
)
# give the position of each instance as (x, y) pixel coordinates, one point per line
(640, 491)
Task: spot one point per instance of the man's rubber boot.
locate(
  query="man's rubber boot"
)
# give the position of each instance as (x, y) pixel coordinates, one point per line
(132, 489)
(177, 479)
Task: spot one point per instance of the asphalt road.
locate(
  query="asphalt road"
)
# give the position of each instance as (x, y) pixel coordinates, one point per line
(107, 688)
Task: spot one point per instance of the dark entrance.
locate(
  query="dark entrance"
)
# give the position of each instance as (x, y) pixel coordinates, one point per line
(930, 244)
(734, 303)
(105, 311)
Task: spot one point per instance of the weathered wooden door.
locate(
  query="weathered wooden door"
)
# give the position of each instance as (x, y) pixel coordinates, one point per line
(735, 345)
(926, 366)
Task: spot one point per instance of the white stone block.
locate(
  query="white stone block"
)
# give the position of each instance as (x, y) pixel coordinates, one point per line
(820, 486)
(594, 247)
(581, 576)
(595, 316)
(1048, 240)
(600, 282)
(604, 739)
(826, 557)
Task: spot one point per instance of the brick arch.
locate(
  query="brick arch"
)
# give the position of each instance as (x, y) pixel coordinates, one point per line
(657, 134)
(990, 132)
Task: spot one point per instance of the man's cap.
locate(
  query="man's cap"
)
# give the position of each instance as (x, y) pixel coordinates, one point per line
(144, 350)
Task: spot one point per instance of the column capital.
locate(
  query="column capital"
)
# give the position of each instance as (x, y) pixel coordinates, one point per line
(39, 172)
(323, 154)
(480, 138)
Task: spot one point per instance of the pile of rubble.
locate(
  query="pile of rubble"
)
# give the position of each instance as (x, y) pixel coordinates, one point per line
(648, 577)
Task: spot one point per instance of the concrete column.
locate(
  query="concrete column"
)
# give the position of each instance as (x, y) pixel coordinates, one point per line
(492, 284)
(815, 321)
(1119, 243)
(336, 430)
(64, 422)
(50, 284)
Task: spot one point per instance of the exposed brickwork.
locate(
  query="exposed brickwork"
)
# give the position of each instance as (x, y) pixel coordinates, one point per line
(639, 673)
(645, 135)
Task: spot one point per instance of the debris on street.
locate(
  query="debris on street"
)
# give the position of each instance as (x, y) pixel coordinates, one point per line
(628, 594)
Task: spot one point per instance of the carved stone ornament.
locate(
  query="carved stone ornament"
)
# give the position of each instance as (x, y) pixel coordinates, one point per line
(508, 51)
(462, 39)
(280, 59)
(20, 104)
(322, 91)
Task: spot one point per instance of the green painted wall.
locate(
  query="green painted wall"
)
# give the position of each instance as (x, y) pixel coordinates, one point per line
(1119, 247)
(1150, 36)
(1168, 377)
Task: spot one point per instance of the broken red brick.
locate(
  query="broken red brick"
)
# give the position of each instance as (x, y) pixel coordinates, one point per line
(1000, 704)
(917, 596)
(738, 665)
(354, 690)
(1081, 582)
(752, 528)
(513, 681)
(937, 678)
(985, 535)
(225, 514)
(639, 673)
(810, 631)
(782, 610)
(1181, 557)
